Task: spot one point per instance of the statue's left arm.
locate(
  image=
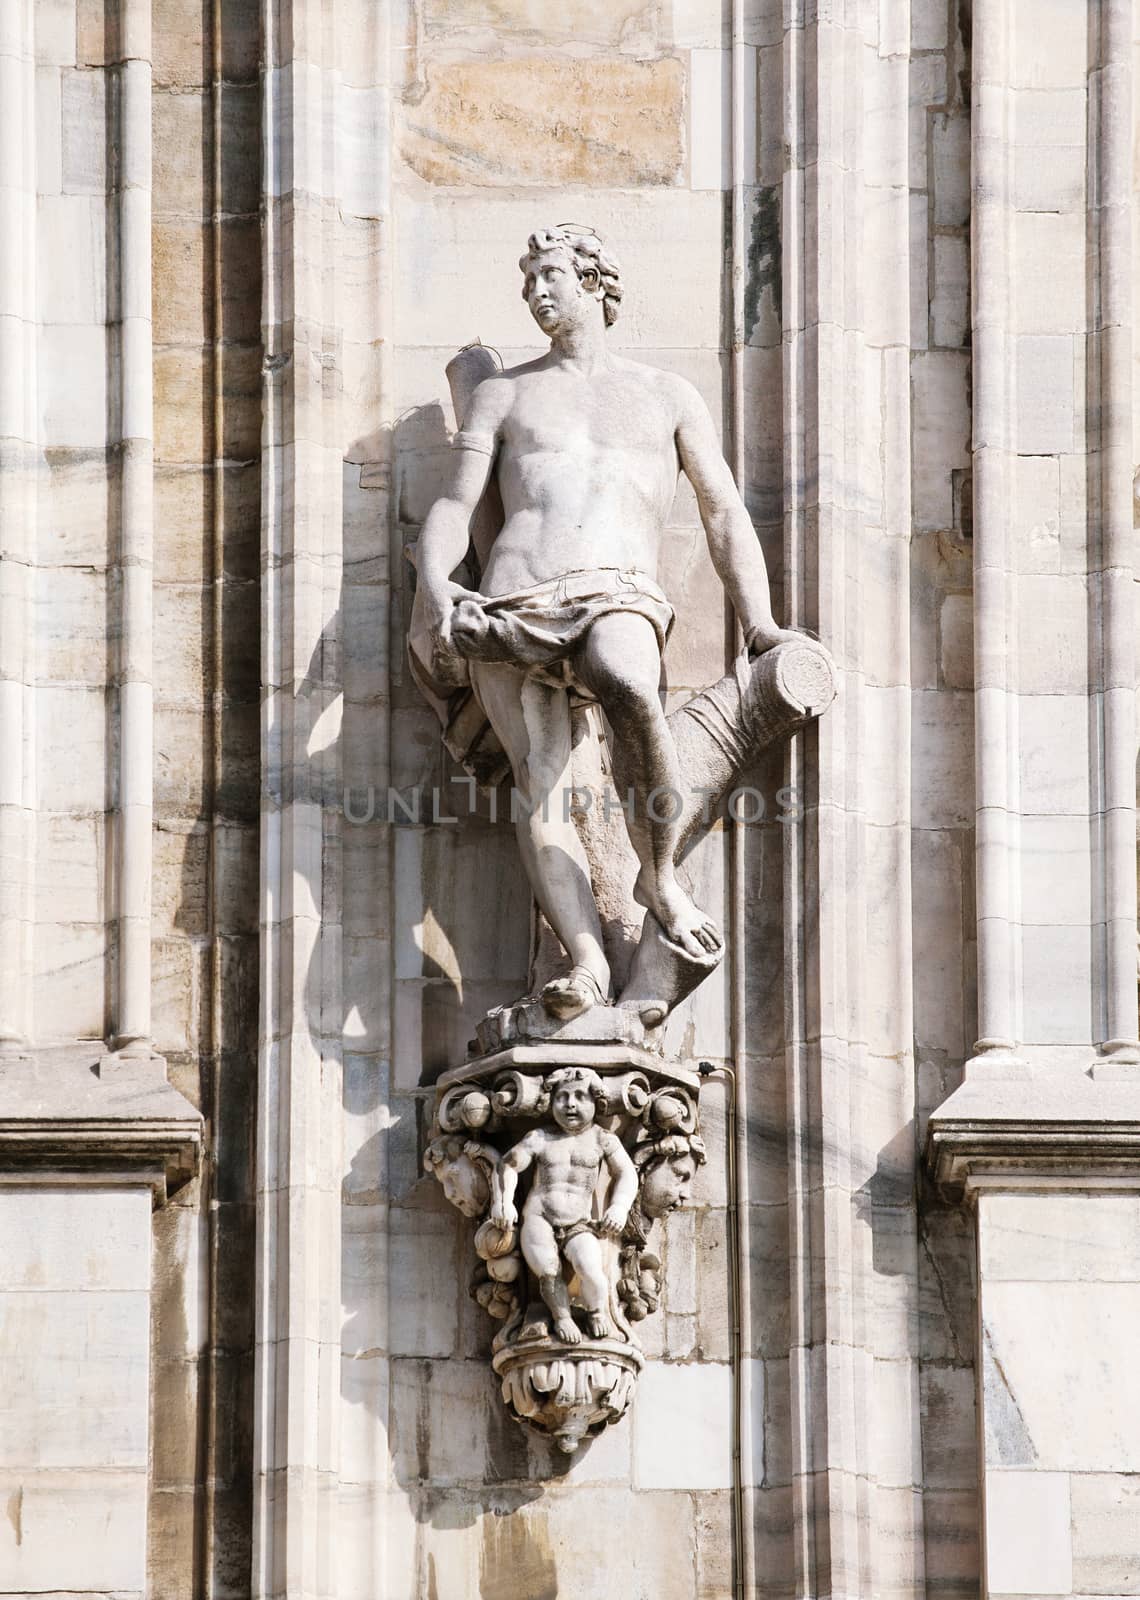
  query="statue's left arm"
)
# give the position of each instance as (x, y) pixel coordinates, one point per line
(624, 1174)
(733, 545)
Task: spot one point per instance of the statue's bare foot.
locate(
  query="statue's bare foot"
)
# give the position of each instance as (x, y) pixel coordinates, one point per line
(599, 1325)
(567, 1330)
(682, 921)
(569, 996)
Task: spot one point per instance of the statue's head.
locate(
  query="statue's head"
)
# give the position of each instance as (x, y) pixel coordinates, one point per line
(575, 1095)
(567, 274)
(463, 1169)
(668, 1167)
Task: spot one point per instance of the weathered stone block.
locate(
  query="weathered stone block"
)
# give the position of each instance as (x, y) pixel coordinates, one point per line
(548, 121)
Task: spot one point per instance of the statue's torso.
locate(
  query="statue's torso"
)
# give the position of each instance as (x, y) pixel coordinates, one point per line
(587, 468)
(566, 1178)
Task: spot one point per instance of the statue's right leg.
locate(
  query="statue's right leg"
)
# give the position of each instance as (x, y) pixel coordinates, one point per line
(540, 1251)
(532, 723)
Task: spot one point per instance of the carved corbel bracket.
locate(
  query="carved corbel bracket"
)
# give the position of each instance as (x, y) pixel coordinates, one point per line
(566, 1157)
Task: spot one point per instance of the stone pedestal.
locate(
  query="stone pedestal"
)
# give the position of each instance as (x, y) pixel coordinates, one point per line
(1051, 1166)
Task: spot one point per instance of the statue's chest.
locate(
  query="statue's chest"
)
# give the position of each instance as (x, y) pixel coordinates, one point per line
(583, 419)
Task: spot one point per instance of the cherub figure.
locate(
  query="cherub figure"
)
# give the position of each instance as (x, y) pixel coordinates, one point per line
(556, 1221)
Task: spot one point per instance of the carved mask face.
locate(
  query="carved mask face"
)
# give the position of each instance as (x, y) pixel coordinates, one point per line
(465, 1186)
(572, 1107)
(667, 1186)
(556, 295)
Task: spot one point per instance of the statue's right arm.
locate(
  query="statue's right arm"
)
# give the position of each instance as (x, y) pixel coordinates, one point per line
(443, 539)
(505, 1180)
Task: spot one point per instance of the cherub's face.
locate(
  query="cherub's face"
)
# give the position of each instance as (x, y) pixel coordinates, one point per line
(572, 1107)
(465, 1186)
(668, 1186)
(554, 292)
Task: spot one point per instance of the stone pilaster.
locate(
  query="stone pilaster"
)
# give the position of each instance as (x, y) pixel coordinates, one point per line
(855, 1459)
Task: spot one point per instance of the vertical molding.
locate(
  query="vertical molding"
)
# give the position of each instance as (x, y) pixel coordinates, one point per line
(131, 1017)
(297, 1382)
(18, 468)
(856, 1466)
(1111, 239)
(740, 1126)
(996, 743)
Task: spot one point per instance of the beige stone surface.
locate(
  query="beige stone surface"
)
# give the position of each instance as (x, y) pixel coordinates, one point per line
(547, 121)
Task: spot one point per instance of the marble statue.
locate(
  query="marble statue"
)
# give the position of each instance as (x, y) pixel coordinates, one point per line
(557, 1220)
(567, 1136)
(584, 447)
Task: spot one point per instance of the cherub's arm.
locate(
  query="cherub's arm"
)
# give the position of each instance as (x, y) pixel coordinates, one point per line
(733, 545)
(624, 1174)
(504, 1180)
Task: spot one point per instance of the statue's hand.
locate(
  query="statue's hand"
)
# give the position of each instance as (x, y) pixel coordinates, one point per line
(764, 636)
(469, 624)
(505, 1216)
(614, 1221)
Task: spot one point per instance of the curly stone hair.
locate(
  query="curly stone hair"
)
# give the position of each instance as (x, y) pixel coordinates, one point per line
(588, 252)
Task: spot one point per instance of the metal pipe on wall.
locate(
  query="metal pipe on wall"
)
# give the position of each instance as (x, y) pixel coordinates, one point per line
(1115, 285)
(131, 1015)
(737, 1131)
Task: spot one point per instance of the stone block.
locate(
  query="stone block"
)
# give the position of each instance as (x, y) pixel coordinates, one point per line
(1057, 1000)
(1049, 272)
(1049, 152)
(175, 994)
(46, 1251)
(49, 136)
(1056, 881)
(1049, 44)
(547, 121)
(76, 371)
(1046, 379)
(1106, 1534)
(950, 147)
(926, 89)
(937, 863)
(941, 424)
(70, 869)
(441, 1417)
(71, 756)
(55, 32)
(950, 303)
(943, 745)
(71, 263)
(682, 1422)
(956, 638)
(422, 1259)
(179, 292)
(1064, 1350)
(444, 876)
(1054, 754)
(949, 1428)
(69, 997)
(1028, 1538)
(1036, 513)
(181, 146)
(181, 620)
(105, 1518)
(1060, 1238)
(710, 107)
(84, 124)
(950, 1538)
(928, 25)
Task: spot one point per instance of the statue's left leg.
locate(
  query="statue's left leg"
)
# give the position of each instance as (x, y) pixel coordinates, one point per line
(619, 660)
(584, 1253)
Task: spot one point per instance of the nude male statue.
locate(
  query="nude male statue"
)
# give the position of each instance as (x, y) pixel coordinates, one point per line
(556, 1221)
(586, 447)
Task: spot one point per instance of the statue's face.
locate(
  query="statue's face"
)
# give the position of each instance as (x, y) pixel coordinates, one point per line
(572, 1107)
(465, 1186)
(557, 297)
(667, 1186)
